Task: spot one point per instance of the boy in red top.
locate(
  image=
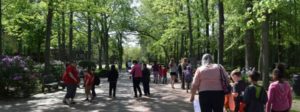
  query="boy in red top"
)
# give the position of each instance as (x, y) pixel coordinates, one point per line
(164, 72)
(88, 83)
(71, 80)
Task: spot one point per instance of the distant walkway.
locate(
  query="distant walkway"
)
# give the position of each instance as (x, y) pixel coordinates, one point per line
(163, 99)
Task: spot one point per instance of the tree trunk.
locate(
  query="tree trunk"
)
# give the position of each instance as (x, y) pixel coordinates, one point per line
(100, 45)
(189, 16)
(279, 42)
(1, 38)
(249, 41)
(182, 46)
(207, 26)
(59, 40)
(19, 45)
(71, 36)
(265, 51)
(89, 37)
(48, 36)
(221, 32)
(63, 36)
(120, 49)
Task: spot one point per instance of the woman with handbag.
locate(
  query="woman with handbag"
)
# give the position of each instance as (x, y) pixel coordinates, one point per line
(211, 81)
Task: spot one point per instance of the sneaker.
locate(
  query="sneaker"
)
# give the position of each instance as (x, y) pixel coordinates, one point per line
(68, 102)
(72, 102)
(65, 102)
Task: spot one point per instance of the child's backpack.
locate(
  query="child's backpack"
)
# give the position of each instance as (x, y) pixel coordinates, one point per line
(188, 75)
(96, 80)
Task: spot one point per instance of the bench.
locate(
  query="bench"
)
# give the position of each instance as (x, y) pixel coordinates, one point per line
(50, 82)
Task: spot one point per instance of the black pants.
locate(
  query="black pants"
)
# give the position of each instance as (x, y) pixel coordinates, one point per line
(112, 88)
(71, 90)
(182, 81)
(93, 91)
(146, 87)
(188, 84)
(211, 101)
(136, 86)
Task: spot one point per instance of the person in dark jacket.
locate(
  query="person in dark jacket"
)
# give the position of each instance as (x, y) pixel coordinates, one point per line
(146, 79)
(255, 96)
(112, 79)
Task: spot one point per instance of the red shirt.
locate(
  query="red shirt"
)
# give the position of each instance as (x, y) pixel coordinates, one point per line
(67, 79)
(88, 79)
(164, 71)
(136, 71)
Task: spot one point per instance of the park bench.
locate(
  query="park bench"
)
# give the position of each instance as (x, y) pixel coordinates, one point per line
(50, 82)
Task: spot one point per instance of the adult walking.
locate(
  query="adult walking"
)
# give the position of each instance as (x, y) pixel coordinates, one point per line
(146, 80)
(155, 70)
(113, 79)
(173, 72)
(71, 80)
(279, 93)
(181, 67)
(207, 82)
(136, 73)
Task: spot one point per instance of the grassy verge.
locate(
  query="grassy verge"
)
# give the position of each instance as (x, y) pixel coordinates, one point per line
(296, 104)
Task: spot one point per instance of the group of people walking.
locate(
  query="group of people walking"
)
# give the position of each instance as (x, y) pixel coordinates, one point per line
(71, 80)
(251, 97)
(211, 81)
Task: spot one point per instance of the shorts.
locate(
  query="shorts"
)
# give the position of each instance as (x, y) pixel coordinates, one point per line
(173, 73)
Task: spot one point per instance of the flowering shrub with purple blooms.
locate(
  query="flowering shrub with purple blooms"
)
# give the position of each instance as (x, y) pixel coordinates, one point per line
(16, 76)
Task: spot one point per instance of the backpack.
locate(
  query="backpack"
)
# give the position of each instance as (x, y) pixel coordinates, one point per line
(188, 75)
(96, 80)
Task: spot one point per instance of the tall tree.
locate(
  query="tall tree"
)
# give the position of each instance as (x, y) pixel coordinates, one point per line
(89, 37)
(249, 38)
(1, 38)
(206, 15)
(189, 16)
(221, 31)
(48, 36)
(265, 50)
(70, 55)
(63, 36)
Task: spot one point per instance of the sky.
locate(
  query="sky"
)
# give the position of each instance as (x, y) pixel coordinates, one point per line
(132, 37)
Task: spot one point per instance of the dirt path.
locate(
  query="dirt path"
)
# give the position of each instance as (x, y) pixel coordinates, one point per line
(163, 99)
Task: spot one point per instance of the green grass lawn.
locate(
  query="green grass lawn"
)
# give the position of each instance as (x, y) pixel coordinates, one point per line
(296, 104)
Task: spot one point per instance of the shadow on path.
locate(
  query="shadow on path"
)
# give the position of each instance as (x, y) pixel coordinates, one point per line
(162, 99)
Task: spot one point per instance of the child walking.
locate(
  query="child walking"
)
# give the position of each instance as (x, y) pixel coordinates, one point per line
(188, 77)
(239, 87)
(255, 96)
(279, 93)
(88, 83)
(164, 74)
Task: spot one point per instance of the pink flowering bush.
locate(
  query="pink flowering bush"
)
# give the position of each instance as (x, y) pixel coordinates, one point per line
(16, 76)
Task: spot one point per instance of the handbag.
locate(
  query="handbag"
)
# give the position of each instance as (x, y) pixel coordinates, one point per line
(224, 82)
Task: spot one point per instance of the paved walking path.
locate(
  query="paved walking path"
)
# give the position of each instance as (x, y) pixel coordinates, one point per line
(162, 99)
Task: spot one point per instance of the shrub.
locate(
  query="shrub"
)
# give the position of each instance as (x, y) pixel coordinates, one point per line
(16, 76)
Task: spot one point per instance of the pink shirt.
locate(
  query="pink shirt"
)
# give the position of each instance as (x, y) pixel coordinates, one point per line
(137, 70)
(207, 78)
(279, 97)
